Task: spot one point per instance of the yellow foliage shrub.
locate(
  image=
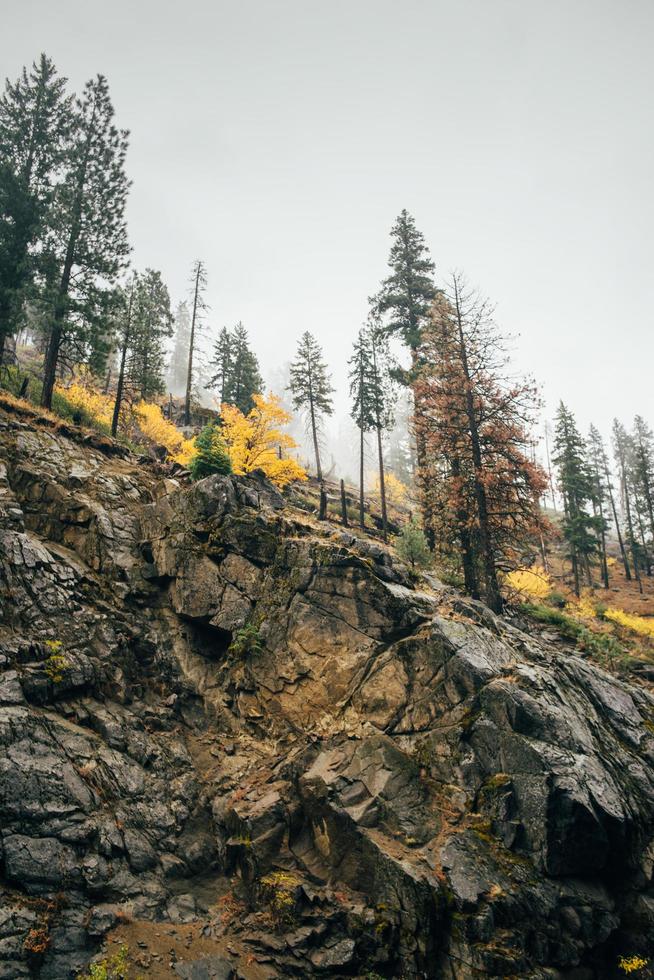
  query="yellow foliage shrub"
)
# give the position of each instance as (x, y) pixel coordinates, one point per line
(632, 964)
(639, 624)
(532, 581)
(164, 433)
(256, 441)
(583, 607)
(88, 401)
(396, 491)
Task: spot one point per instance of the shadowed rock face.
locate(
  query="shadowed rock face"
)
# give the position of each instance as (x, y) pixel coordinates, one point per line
(209, 702)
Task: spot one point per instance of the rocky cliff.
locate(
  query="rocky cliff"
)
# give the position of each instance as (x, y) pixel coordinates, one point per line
(250, 746)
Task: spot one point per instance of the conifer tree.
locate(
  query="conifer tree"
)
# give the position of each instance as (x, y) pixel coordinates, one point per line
(576, 487)
(311, 389)
(373, 401)
(643, 467)
(151, 325)
(178, 367)
(621, 450)
(407, 293)
(35, 115)
(245, 378)
(88, 246)
(236, 367)
(405, 298)
(221, 363)
(198, 287)
(211, 455)
(483, 488)
(596, 458)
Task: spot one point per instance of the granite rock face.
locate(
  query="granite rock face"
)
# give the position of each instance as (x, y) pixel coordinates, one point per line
(215, 710)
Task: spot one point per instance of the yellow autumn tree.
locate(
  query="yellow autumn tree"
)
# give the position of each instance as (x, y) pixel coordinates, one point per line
(396, 491)
(256, 441)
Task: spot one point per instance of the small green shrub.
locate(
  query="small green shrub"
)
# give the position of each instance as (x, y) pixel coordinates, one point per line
(56, 663)
(566, 625)
(112, 967)
(556, 599)
(246, 641)
(211, 454)
(411, 545)
(603, 647)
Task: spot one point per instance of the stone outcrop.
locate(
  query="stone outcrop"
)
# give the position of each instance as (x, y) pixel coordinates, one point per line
(216, 712)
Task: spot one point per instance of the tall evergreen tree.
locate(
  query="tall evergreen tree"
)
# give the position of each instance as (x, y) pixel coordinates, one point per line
(237, 376)
(311, 389)
(621, 451)
(373, 400)
(643, 467)
(151, 324)
(88, 245)
(576, 487)
(35, 115)
(198, 286)
(221, 363)
(405, 298)
(406, 294)
(245, 378)
(178, 366)
(596, 459)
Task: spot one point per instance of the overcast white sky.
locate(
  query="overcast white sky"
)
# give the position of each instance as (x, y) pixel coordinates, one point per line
(278, 140)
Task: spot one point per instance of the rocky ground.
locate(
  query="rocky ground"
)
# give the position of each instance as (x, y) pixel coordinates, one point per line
(250, 746)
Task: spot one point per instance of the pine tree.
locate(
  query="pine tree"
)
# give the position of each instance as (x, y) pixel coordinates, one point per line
(245, 378)
(34, 130)
(482, 488)
(211, 455)
(407, 293)
(178, 367)
(373, 401)
(621, 451)
(596, 458)
(221, 363)
(311, 389)
(88, 246)
(576, 487)
(643, 467)
(405, 298)
(412, 546)
(151, 325)
(198, 286)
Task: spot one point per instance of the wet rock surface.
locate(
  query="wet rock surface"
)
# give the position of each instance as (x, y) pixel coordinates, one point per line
(218, 715)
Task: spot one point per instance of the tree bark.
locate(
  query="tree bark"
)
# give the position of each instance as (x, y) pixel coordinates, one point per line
(346, 523)
(57, 329)
(362, 513)
(121, 372)
(382, 484)
(189, 374)
(314, 432)
(630, 526)
(470, 582)
(623, 552)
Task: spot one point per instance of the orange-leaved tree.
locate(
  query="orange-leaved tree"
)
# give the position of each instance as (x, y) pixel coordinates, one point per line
(475, 422)
(256, 441)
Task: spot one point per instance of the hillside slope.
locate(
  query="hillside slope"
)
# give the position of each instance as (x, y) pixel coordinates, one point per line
(250, 747)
